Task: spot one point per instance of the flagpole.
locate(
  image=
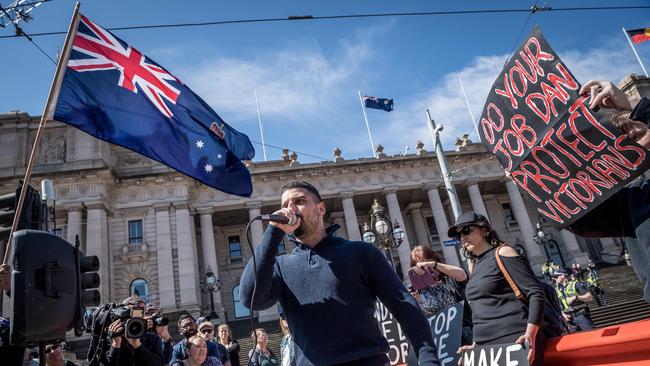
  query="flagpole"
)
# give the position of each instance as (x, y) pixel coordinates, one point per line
(259, 119)
(47, 115)
(469, 108)
(634, 50)
(365, 117)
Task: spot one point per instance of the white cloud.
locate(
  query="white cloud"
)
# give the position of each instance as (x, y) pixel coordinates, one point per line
(310, 93)
(612, 61)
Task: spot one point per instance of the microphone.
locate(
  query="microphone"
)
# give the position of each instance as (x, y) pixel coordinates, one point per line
(281, 219)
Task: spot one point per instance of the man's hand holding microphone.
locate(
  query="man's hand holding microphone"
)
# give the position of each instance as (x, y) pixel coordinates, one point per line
(284, 219)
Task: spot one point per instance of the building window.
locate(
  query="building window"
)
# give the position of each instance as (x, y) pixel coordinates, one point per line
(234, 248)
(140, 288)
(507, 214)
(240, 310)
(135, 232)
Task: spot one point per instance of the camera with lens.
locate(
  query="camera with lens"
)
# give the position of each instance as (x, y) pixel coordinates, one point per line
(135, 325)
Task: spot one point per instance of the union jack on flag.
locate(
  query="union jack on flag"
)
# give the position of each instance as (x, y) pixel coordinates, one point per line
(108, 53)
(115, 93)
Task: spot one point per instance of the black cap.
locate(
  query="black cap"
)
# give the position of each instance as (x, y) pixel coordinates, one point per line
(468, 218)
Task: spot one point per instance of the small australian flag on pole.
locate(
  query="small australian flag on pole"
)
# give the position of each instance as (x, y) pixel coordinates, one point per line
(115, 93)
(378, 103)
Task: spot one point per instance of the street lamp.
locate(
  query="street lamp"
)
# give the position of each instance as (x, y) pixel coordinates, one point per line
(211, 284)
(381, 233)
(544, 239)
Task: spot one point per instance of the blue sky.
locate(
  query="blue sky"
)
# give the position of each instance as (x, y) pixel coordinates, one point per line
(307, 73)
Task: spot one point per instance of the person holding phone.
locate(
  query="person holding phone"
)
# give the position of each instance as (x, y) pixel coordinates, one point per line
(499, 317)
(437, 286)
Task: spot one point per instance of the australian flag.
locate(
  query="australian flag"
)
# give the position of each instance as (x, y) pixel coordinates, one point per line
(378, 103)
(115, 93)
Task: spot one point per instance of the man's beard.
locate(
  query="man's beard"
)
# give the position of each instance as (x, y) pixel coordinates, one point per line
(189, 333)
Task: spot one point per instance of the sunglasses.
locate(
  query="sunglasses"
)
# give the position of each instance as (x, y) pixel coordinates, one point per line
(465, 230)
(207, 331)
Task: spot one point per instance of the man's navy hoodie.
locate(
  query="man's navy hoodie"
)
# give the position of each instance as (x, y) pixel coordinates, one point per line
(328, 297)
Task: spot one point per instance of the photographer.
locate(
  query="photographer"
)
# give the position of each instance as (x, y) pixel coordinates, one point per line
(574, 296)
(124, 351)
(159, 324)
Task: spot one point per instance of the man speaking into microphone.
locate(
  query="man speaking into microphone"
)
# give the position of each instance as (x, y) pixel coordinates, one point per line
(328, 287)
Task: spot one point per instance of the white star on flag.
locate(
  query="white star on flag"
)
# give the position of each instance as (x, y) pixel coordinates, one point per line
(199, 144)
(219, 156)
(208, 168)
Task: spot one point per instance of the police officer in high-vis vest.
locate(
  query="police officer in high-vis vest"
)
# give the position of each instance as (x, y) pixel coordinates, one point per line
(574, 297)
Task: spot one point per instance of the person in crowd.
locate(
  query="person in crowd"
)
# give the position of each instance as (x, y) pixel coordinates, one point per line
(28, 359)
(54, 355)
(126, 351)
(287, 347)
(261, 355)
(166, 342)
(329, 285)
(224, 337)
(197, 354)
(448, 291)
(498, 316)
(574, 296)
(627, 212)
(206, 331)
(187, 328)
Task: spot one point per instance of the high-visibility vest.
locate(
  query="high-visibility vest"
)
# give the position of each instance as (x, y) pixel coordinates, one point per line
(568, 291)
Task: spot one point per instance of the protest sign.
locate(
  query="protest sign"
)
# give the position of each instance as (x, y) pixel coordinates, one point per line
(397, 343)
(565, 158)
(496, 355)
(447, 328)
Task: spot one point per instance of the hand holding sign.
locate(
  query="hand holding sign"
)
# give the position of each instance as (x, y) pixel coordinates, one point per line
(565, 158)
(605, 94)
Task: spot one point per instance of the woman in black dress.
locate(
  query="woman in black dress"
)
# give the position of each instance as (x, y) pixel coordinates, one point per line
(497, 314)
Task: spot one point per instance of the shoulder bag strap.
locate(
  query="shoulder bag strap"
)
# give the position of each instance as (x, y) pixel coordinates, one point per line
(507, 276)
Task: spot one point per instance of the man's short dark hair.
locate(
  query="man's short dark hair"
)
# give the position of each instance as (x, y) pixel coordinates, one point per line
(304, 185)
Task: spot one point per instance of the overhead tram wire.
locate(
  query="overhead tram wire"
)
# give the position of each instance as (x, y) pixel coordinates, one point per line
(353, 16)
(533, 10)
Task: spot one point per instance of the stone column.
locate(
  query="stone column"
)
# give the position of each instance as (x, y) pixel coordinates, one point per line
(75, 217)
(576, 255)
(351, 223)
(97, 244)
(477, 200)
(610, 247)
(420, 227)
(188, 278)
(254, 210)
(210, 254)
(450, 253)
(166, 287)
(257, 231)
(404, 250)
(535, 255)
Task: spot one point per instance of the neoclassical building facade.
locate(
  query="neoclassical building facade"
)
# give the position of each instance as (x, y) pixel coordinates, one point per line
(157, 232)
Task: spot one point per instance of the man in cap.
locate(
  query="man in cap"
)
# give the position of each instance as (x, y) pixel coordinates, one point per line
(574, 298)
(187, 328)
(206, 331)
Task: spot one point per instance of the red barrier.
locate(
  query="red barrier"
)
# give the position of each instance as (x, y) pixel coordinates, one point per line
(625, 345)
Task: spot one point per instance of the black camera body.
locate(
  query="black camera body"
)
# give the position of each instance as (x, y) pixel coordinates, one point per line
(135, 325)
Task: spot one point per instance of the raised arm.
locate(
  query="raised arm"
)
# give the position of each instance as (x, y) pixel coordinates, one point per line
(268, 280)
